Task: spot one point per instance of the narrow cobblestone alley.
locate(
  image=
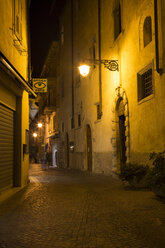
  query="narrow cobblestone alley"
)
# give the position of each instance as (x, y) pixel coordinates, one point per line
(70, 209)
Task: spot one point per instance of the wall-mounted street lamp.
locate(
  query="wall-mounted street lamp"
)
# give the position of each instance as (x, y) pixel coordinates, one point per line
(39, 125)
(84, 70)
(111, 65)
(34, 135)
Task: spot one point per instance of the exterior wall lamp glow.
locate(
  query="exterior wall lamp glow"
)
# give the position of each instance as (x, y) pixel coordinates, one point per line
(34, 135)
(39, 125)
(111, 65)
(84, 70)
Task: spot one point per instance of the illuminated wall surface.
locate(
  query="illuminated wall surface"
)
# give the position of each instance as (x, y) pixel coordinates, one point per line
(131, 99)
(13, 95)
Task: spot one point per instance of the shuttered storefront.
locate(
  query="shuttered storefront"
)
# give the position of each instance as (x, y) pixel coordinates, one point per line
(6, 147)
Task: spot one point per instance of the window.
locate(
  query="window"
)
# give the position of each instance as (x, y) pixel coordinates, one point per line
(49, 124)
(72, 123)
(62, 88)
(147, 31)
(18, 19)
(54, 122)
(62, 127)
(62, 35)
(52, 97)
(79, 120)
(145, 83)
(117, 20)
(98, 111)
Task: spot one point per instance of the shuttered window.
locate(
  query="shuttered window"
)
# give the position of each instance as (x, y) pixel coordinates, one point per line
(6, 147)
(18, 18)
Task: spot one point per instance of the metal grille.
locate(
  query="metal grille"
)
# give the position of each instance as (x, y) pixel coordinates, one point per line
(147, 82)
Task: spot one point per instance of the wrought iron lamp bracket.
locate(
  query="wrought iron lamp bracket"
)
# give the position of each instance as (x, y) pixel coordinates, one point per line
(111, 65)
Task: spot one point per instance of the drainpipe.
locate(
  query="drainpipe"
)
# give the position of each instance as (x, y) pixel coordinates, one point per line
(29, 43)
(72, 62)
(99, 44)
(158, 69)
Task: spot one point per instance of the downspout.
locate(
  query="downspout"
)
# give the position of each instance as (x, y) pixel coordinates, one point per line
(99, 44)
(158, 69)
(72, 62)
(29, 42)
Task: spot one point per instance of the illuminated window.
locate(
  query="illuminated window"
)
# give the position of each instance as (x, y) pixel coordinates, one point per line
(145, 83)
(117, 20)
(147, 31)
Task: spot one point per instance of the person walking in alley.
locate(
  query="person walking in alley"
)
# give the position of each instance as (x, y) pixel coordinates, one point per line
(48, 158)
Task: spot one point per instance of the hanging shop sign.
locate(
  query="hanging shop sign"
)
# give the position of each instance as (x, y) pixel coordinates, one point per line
(40, 85)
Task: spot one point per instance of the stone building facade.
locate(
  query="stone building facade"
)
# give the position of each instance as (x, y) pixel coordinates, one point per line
(112, 117)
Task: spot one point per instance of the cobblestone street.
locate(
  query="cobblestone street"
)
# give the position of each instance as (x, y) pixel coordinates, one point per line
(71, 209)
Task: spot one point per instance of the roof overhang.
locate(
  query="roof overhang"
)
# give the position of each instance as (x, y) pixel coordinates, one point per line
(9, 68)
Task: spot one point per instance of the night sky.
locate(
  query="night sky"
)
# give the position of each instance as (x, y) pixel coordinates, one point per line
(43, 29)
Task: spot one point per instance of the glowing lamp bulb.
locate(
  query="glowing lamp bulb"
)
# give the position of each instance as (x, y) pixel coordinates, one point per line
(39, 125)
(84, 70)
(34, 135)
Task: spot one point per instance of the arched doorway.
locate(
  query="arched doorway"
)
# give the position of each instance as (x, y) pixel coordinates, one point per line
(88, 148)
(120, 130)
(121, 141)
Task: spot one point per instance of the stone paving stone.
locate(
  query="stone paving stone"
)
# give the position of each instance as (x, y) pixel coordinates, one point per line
(69, 209)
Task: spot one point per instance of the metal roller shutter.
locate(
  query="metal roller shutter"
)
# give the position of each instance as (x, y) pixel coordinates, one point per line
(6, 147)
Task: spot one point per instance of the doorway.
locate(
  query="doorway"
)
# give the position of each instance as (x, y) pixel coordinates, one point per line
(67, 150)
(88, 148)
(54, 155)
(121, 140)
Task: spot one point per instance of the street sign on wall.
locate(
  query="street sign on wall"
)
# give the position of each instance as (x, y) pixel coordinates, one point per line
(40, 85)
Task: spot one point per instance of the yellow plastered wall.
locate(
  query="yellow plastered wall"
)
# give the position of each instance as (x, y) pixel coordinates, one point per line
(19, 61)
(7, 98)
(25, 126)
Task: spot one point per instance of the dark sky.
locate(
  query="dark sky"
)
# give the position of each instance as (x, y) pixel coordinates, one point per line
(44, 29)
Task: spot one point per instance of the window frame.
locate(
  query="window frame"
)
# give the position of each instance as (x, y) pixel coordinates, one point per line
(79, 120)
(140, 88)
(18, 14)
(145, 31)
(98, 114)
(117, 19)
